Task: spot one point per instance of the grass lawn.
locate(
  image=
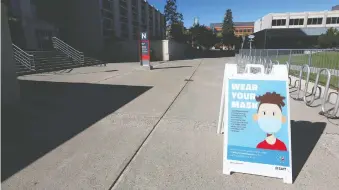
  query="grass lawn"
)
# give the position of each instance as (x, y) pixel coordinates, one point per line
(322, 79)
(328, 60)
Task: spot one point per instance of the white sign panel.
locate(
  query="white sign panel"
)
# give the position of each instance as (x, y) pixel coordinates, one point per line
(255, 118)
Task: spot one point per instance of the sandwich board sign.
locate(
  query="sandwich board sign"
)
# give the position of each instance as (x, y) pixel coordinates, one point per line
(255, 117)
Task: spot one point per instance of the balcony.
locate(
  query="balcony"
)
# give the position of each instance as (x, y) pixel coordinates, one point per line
(123, 19)
(108, 33)
(108, 24)
(107, 14)
(107, 5)
(135, 23)
(123, 4)
(123, 12)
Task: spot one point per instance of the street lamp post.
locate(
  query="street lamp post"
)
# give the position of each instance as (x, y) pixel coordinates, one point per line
(251, 37)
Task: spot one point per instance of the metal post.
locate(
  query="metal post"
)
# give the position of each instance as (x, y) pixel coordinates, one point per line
(290, 56)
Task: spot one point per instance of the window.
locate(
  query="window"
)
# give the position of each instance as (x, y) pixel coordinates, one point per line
(279, 22)
(314, 21)
(332, 20)
(297, 21)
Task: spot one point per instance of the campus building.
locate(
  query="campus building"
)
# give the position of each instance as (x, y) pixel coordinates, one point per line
(91, 25)
(293, 30)
(240, 28)
(95, 25)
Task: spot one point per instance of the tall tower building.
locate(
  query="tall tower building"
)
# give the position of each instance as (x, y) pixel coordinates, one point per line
(196, 21)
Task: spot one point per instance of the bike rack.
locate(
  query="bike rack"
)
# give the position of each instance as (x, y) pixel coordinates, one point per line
(288, 72)
(300, 78)
(269, 67)
(335, 108)
(316, 86)
(289, 76)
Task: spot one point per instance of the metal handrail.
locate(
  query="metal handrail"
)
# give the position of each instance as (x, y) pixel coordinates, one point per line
(300, 78)
(74, 54)
(316, 86)
(23, 57)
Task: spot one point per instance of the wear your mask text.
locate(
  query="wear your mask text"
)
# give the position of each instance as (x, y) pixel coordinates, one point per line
(244, 99)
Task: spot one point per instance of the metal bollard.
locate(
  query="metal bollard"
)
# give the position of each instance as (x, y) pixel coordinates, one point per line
(336, 107)
(316, 86)
(300, 78)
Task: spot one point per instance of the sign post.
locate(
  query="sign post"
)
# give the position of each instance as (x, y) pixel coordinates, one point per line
(145, 50)
(255, 115)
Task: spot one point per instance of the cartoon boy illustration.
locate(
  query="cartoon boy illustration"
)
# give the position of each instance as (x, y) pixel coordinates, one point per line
(270, 119)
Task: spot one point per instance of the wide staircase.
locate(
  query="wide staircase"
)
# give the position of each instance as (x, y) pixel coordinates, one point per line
(62, 57)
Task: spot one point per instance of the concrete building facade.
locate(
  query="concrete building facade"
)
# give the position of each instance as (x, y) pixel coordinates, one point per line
(94, 25)
(30, 32)
(300, 20)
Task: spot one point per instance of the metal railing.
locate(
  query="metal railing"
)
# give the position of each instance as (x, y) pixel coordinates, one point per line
(317, 62)
(74, 54)
(23, 58)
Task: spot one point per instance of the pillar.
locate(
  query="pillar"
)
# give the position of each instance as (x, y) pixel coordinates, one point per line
(9, 83)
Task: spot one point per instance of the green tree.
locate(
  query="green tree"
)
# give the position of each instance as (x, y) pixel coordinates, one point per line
(203, 36)
(172, 16)
(329, 39)
(228, 28)
(174, 21)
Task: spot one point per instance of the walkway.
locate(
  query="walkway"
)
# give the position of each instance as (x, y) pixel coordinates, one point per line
(129, 128)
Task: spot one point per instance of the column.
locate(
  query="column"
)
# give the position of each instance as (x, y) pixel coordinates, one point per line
(10, 93)
(130, 18)
(116, 12)
(159, 27)
(153, 12)
(139, 16)
(288, 20)
(305, 20)
(147, 17)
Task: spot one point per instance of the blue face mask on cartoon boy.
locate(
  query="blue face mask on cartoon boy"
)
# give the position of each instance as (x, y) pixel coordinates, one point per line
(269, 124)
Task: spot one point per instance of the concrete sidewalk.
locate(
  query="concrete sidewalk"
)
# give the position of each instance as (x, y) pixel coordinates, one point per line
(166, 137)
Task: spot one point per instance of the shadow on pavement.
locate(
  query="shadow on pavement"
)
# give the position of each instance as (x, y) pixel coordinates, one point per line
(305, 136)
(178, 67)
(194, 54)
(51, 113)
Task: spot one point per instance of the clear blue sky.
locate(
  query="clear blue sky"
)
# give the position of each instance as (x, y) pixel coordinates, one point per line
(212, 11)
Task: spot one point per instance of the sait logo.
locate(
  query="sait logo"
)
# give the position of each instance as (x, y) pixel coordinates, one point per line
(281, 159)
